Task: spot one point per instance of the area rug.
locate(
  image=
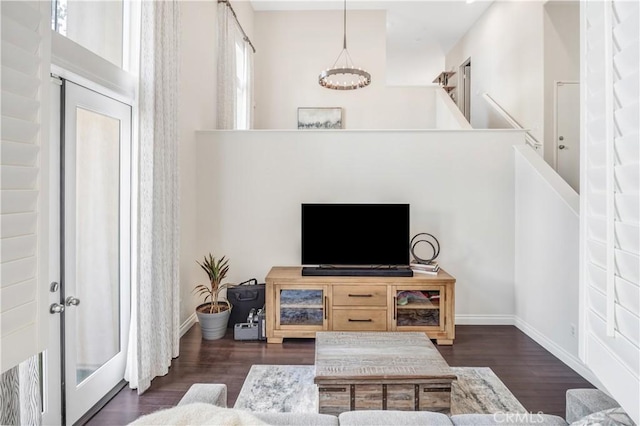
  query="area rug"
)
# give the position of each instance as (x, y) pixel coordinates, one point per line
(290, 389)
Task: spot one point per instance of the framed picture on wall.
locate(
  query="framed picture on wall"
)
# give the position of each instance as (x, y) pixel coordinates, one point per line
(320, 118)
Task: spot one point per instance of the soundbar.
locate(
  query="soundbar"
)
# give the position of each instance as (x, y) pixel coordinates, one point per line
(319, 271)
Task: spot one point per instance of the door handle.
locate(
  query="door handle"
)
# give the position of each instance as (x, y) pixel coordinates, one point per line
(72, 301)
(326, 299)
(561, 147)
(56, 308)
(395, 307)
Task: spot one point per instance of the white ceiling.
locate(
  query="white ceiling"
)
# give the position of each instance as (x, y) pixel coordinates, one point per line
(408, 22)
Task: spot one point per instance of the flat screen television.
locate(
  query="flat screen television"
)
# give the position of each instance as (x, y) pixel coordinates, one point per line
(367, 235)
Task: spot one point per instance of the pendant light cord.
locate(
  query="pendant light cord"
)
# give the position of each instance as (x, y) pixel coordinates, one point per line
(344, 44)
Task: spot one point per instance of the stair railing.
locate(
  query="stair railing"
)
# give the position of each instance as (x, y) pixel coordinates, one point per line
(529, 139)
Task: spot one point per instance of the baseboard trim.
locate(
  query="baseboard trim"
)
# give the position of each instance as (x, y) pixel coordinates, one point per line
(556, 350)
(570, 360)
(186, 326)
(464, 319)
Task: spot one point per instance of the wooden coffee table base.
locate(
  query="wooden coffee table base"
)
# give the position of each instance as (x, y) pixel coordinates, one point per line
(380, 371)
(336, 398)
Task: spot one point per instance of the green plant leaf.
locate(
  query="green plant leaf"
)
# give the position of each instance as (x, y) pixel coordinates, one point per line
(216, 270)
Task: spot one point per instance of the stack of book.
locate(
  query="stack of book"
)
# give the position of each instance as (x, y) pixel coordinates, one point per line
(430, 268)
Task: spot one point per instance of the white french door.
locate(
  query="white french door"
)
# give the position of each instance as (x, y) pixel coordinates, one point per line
(95, 201)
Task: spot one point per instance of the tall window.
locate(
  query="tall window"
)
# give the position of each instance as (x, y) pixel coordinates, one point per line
(243, 100)
(234, 72)
(95, 25)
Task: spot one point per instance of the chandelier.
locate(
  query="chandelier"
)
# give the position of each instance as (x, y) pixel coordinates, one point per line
(343, 75)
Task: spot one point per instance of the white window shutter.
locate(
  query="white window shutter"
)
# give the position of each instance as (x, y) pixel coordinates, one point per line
(25, 52)
(610, 232)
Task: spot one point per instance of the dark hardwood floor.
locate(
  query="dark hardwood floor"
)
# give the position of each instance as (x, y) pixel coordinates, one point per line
(534, 376)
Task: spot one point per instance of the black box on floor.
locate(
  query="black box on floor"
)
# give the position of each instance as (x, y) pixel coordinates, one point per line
(243, 297)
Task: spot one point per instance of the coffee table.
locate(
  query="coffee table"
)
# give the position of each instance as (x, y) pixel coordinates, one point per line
(380, 371)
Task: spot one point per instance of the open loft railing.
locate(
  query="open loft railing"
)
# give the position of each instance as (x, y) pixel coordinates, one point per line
(530, 140)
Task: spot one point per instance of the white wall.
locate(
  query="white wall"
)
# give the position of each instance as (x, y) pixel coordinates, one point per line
(547, 258)
(448, 116)
(293, 47)
(413, 62)
(561, 59)
(196, 110)
(506, 50)
(460, 185)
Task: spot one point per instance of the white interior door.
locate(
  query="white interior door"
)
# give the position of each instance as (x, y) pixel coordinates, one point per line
(467, 91)
(464, 89)
(96, 245)
(51, 375)
(567, 132)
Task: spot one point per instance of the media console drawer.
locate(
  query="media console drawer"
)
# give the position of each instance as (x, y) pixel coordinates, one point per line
(352, 319)
(359, 295)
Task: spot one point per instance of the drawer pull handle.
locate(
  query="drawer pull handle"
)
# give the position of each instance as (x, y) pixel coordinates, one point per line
(436, 390)
(332, 389)
(360, 295)
(360, 320)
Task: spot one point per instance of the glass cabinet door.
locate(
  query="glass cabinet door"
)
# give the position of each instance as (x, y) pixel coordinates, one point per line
(301, 307)
(418, 307)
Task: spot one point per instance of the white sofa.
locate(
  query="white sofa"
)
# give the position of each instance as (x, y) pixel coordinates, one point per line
(213, 399)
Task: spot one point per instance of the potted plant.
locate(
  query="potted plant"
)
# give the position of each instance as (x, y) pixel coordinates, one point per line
(213, 314)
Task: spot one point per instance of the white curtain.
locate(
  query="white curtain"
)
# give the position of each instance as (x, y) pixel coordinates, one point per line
(226, 68)
(235, 73)
(20, 394)
(154, 337)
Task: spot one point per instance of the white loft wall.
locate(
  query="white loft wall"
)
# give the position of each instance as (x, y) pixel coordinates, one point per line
(460, 185)
(506, 50)
(561, 58)
(294, 46)
(448, 116)
(546, 258)
(413, 62)
(196, 110)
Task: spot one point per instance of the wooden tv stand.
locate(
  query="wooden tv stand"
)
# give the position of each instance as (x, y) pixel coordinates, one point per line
(298, 306)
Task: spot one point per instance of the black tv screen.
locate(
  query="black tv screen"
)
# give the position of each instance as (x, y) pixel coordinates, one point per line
(355, 234)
